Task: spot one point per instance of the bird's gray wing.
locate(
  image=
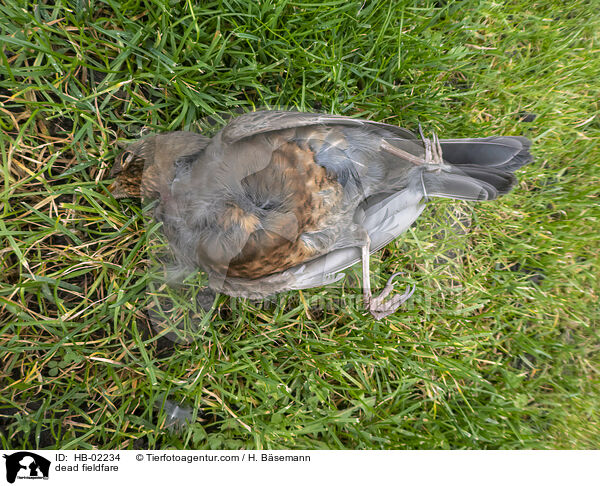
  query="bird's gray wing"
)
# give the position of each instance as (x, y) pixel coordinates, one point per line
(385, 218)
(257, 122)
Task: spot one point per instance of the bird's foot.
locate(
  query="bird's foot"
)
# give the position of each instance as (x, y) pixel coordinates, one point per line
(379, 308)
(433, 151)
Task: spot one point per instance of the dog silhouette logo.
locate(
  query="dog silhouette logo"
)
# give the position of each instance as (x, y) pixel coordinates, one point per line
(26, 465)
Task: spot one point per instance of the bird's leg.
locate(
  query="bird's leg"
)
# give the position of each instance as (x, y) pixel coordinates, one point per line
(377, 305)
(366, 278)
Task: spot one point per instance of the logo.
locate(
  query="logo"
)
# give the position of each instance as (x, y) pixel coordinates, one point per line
(26, 465)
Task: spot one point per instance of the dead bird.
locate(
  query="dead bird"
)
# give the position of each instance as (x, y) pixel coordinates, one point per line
(281, 200)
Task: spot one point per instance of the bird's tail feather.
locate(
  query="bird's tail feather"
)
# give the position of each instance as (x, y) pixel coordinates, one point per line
(508, 153)
(478, 168)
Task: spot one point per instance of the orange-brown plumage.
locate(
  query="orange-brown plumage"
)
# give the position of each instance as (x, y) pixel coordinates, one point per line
(304, 183)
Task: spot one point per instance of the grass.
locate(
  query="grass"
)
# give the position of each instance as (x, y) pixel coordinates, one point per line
(497, 349)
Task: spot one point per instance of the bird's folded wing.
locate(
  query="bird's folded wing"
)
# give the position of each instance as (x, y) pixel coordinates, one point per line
(258, 122)
(384, 219)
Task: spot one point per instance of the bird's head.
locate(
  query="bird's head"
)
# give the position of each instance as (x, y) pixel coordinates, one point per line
(146, 168)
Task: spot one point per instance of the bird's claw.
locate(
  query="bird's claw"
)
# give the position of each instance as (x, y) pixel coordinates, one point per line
(379, 308)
